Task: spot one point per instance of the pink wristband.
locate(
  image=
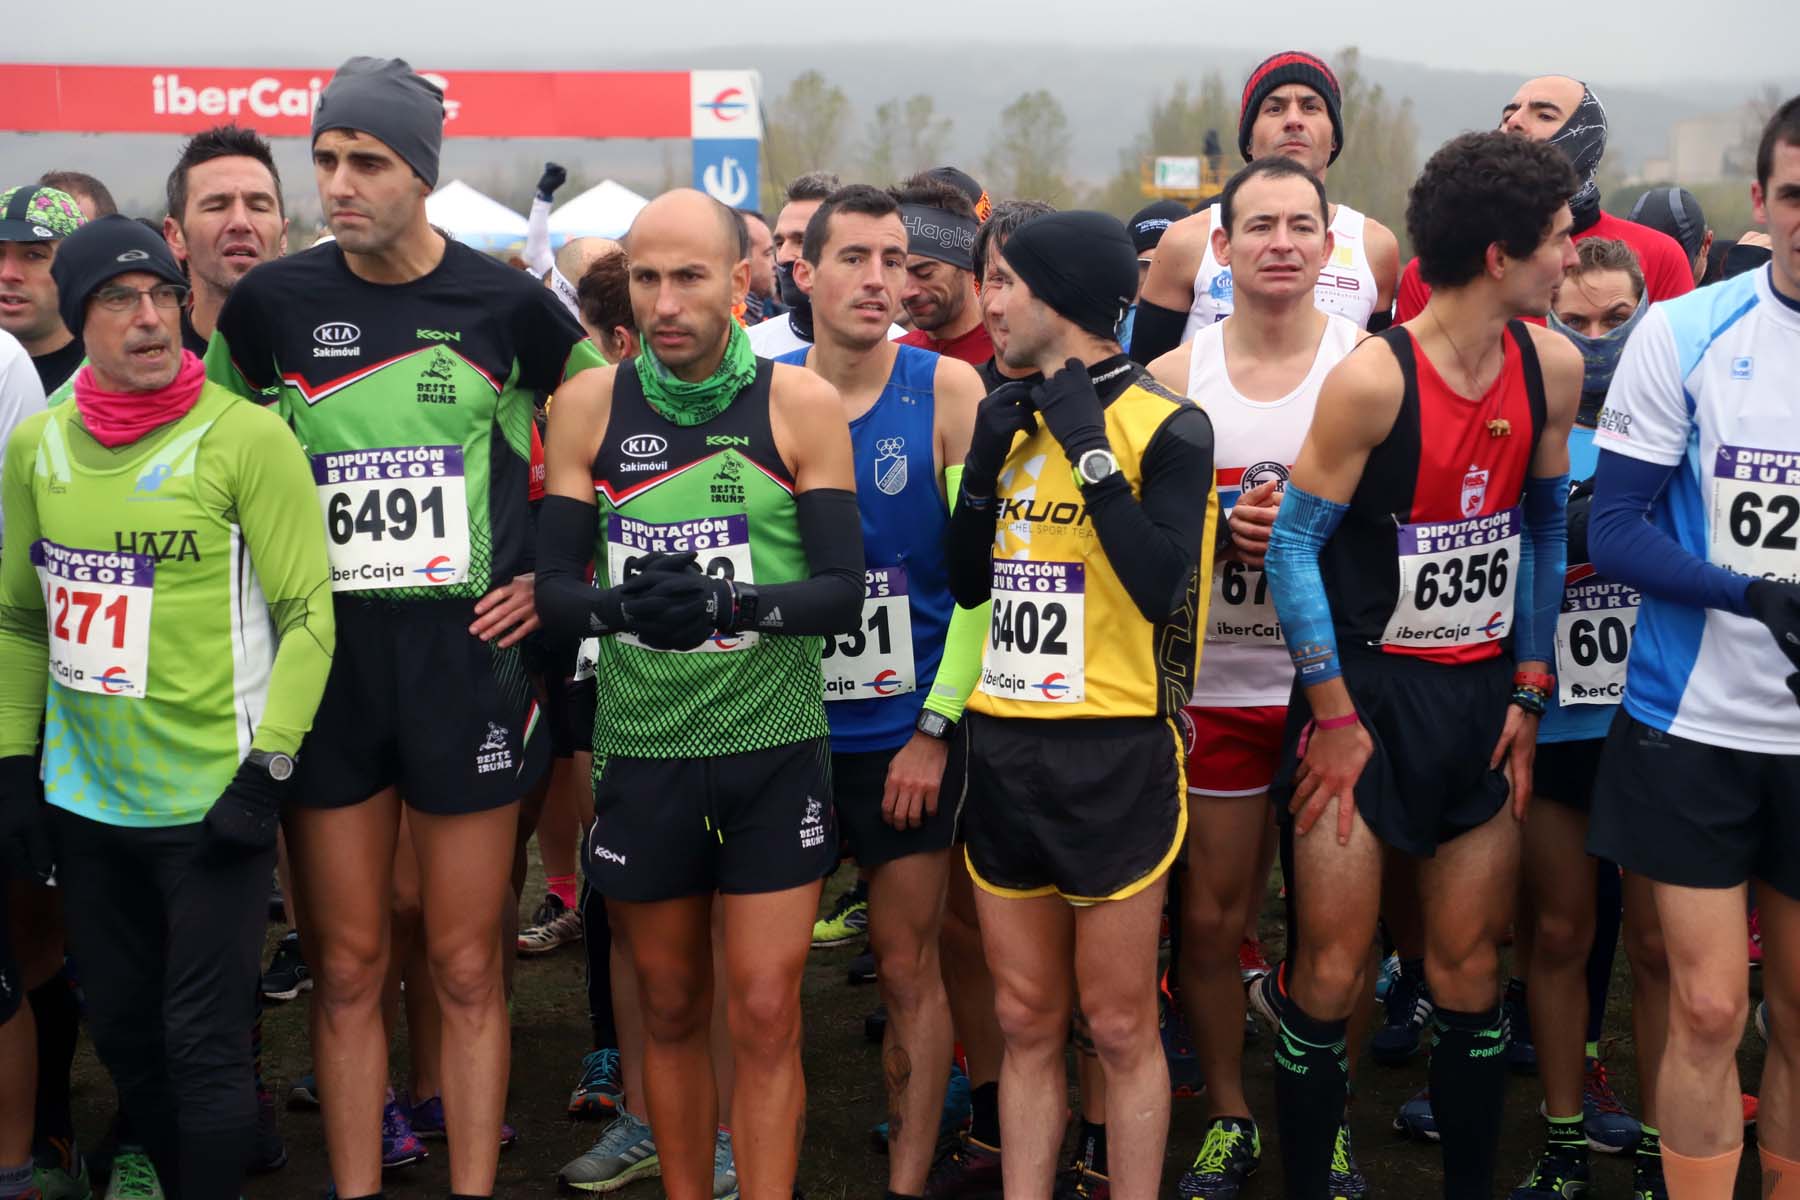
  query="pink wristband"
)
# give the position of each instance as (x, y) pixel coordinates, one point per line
(1343, 722)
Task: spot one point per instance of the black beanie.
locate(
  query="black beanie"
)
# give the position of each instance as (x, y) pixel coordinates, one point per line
(1291, 66)
(1150, 222)
(1082, 264)
(101, 251)
(386, 99)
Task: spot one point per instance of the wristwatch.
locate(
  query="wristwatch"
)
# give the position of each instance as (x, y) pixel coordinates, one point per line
(279, 766)
(1094, 466)
(935, 725)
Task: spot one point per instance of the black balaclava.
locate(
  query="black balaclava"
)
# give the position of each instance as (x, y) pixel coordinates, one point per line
(1582, 140)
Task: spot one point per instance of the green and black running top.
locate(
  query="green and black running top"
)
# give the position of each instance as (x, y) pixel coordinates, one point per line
(414, 403)
(721, 490)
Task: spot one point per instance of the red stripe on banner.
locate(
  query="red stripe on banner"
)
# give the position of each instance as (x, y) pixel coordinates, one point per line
(279, 102)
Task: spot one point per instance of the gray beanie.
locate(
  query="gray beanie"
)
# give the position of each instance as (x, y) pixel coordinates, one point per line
(387, 99)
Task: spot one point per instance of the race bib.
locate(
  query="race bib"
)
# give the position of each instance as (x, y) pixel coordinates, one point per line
(97, 607)
(587, 657)
(1240, 610)
(722, 545)
(1036, 632)
(1755, 528)
(876, 660)
(1593, 640)
(395, 517)
(1456, 582)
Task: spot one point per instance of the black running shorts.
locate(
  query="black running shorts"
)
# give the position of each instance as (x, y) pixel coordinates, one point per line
(858, 781)
(1566, 771)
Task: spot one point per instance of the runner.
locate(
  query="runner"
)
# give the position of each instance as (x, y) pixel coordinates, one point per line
(940, 269)
(1147, 225)
(782, 335)
(761, 303)
(910, 413)
(538, 259)
(715, 776)
(1567, 896)
(225, 216)
(170, 732)
(407, 364)
(1566, 114)
(605, 295)
(21, 394)
(1290, 108)
(1443, 454)
(33, 222)
(90, 195)
(1257, 375)
(1092, 646)
(571, 263)
(1676, 212)
(1696, 443)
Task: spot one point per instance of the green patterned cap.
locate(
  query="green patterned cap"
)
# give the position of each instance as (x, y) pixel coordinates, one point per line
(37, 214)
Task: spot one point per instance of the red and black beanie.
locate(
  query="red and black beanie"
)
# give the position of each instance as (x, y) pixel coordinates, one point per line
(1290, 66)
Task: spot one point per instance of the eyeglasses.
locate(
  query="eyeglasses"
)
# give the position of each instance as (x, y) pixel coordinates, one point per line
(119, 298)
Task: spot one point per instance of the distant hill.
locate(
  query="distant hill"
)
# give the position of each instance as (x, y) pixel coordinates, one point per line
(1106, 92)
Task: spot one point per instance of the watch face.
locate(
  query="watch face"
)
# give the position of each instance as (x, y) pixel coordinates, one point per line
(1097, 465)
(933, 724)
(281, 767)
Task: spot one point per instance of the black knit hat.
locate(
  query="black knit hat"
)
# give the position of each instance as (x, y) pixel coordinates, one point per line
(1081, 264)
(1291, 66)
(101, 251)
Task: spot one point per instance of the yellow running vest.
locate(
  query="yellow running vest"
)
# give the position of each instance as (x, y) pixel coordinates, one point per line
(1065, 639)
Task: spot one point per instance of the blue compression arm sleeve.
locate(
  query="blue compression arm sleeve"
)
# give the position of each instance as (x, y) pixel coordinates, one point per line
(1544, 560)
(1626, 547)
(1303, 525)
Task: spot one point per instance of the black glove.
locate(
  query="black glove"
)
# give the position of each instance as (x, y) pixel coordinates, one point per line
(244, 819)
(1777, 605)
(684, 611)
(1072, 410)
(613, 609)
(24, 837)
(554, 176)
(1002, 415)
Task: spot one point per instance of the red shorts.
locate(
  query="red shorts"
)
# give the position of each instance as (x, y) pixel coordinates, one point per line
(1234, 750)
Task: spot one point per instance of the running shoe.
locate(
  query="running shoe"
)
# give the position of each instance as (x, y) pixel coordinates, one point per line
(1560, 1174)
(966, 1168)
(1647, 1179)
(59, 1172)
(847, 921)
(427, 1120)
(1252, 962)
(725, 1183)
(554, 925)
(1384, 979)
(268, 1153)
(875, 1025)
(1346, 1181)
(304, 1093)
(1077, 1182)
(133, 1178)
(951, 1121)
(1521, 1051)
(1610, 1129)
(1415, 1118)
(862, 968)
(600, 1091)
(1228, 1157)
(1178, 1046)
(1263, 999)
(288, 974)
(625, 1152)
(400, 1145)
(1409, 1011)
(1756, 945)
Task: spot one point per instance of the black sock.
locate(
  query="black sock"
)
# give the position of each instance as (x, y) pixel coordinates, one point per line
(1566, 1135)
(212, 1162)
(1647, 1155)
(984, 1114)
(1468, 1094)
(1090, 1148)
(58, 1019)
(1310, 1089)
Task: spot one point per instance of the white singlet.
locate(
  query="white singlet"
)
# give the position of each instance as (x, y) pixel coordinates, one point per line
(1246, 664)
(1346, 284)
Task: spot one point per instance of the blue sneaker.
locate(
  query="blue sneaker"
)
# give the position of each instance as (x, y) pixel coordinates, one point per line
(1560, 1174)
(725, 1179)
(1346, 1182)
(1609, 1128)
(1415, 1118)
(625, 1152)
(1228, 1157)
(1384, 980)
(1178, 1046)
(600, 1092)
(304, 1093)
(1409, 1011)
(955, 1118)
(427, 1119)
(1521, 1052)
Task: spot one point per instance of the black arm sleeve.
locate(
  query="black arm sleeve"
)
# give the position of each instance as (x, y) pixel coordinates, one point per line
(567, 604)
(831, 600)
(544, 335)
(971, 548)
(1155, 331)
(1154, 543)
(1380, 320)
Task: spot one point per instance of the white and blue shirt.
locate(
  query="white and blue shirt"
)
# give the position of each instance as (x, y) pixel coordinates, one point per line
(1710, 385)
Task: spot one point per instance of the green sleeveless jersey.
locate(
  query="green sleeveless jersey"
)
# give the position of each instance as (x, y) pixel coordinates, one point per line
(164, 606)
(720, 489)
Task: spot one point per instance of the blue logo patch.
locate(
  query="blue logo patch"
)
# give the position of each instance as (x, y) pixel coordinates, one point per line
(1220, 287)
(1743, 368)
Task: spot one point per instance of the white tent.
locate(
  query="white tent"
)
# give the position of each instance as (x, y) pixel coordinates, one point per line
(604, 210)
(473, 218)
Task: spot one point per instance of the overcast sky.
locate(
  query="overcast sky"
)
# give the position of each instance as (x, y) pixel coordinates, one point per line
(1623, 41)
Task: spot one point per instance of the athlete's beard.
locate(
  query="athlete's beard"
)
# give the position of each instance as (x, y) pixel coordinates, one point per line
(945, 311)
(706, 342)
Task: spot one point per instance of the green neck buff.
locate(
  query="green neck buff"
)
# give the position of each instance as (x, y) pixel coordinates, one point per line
(687, 403)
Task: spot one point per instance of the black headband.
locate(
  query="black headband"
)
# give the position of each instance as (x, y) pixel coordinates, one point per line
(935, 233)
